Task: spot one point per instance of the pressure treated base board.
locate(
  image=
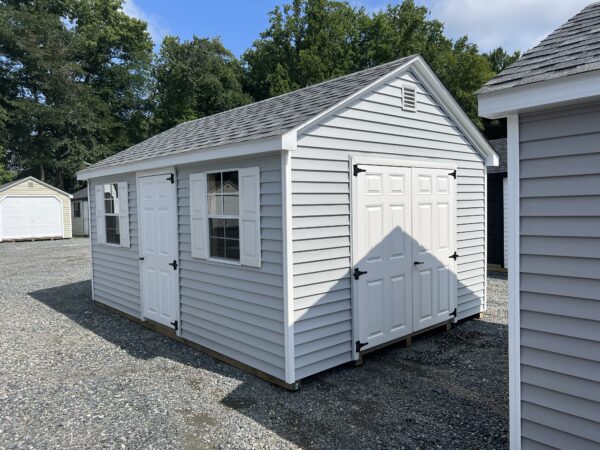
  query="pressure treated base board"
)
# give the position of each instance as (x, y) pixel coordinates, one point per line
(169, 332)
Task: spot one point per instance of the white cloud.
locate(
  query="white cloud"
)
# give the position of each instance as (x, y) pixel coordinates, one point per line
(512, 24)
(156, 30)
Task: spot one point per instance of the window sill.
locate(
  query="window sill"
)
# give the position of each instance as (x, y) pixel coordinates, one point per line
(109, 244)
(223, 261)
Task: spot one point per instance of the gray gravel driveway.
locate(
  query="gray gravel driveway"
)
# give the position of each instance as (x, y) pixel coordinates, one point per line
(73, 375)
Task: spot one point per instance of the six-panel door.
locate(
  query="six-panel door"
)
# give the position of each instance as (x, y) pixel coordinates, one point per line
(158, 248)
(405, 237)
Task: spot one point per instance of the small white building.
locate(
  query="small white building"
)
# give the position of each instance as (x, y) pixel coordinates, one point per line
(80, 213)
(294, 234)
(32, 209)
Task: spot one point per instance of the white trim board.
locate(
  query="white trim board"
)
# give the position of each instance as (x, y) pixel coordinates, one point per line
(31, 178)
(571, 89)
(514, 313)
(288, 266)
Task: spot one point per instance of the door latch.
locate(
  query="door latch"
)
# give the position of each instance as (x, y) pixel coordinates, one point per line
(416, 263)
(141, 258)
(357, 273)
(173, 264)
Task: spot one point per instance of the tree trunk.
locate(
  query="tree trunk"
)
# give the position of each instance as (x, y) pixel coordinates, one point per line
(42, 174)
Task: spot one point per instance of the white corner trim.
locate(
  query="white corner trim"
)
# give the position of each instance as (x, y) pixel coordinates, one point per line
(502, 103)
(91, 238)
(239, 149)
(514, 313)
(288, 288)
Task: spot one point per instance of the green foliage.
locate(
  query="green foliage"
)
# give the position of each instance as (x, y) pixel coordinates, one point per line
(74, 76)
(194, 79)
(309, 41)
(500, 60)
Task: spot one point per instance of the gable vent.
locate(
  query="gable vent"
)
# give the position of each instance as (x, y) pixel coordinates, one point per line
(410, 99)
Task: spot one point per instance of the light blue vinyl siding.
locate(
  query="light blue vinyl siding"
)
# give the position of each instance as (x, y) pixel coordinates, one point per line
(560, 277)
(236, 310)
(116, 270)
(374, 125)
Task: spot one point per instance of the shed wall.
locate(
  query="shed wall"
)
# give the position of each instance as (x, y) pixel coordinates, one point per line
(237, 310)
(560, 277)
(116, 270)
(374, 125)
(39, 189)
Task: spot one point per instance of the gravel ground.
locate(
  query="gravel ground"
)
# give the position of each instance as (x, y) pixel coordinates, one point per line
(73, 375)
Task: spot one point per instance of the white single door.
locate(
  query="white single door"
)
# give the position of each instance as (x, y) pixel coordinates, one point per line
(384, 253)
(158, 249)
(434, 242)
(30, 217)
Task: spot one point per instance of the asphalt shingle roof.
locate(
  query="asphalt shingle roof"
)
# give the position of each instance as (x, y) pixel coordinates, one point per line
(267, 118)
(571, 49)
(499, 146)
(81, 193)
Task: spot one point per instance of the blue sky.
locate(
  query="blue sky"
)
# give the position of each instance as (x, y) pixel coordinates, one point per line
(513, 24)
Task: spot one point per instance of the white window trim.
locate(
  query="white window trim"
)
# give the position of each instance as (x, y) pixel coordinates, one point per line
(514, 313)
(113, 214)
(214, 259)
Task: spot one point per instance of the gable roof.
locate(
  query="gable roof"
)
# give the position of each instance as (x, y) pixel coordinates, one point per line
(10, 184)
(80, 194)
(571, 49)
(499, 146)
(278, 117)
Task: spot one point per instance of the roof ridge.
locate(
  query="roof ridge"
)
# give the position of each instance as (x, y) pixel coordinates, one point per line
(358, 72)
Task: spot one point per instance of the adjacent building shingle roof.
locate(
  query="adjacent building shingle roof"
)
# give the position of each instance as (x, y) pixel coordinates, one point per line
(267, 118)
(571, 49)
(499, 146)
(80, 194)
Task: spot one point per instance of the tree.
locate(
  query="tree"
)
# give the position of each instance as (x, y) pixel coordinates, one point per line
(73, 77)
(309, 41)
(194, 79)
(499, 59)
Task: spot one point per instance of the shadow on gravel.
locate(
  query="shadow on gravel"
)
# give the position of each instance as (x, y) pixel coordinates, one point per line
(449, 390)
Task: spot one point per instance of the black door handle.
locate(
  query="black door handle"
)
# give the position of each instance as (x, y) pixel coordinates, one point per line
(416, 263)
(173, 264)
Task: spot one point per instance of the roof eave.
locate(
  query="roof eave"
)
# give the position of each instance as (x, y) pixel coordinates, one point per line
(43, 183)
(239, 149)
(571, 89)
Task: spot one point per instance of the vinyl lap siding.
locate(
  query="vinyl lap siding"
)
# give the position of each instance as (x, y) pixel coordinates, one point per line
(237, 311)
(560, 278)
(116, 269)
(376, 126)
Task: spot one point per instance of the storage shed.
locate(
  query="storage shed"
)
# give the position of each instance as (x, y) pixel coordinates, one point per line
(551, 98)
(32, 209)
(80, 213)
(497, 188)
(294, 234)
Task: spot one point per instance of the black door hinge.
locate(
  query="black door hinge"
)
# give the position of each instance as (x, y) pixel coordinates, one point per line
(358, 170)
(171, 178)
(173, 264)
(453, 313)
(454, 256)
(357, 273)
(141, 258)
(453, 174)
(175, 325)
(360, 345)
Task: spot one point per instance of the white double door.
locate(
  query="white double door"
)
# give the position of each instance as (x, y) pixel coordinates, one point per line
(158, 249)
(406, 235)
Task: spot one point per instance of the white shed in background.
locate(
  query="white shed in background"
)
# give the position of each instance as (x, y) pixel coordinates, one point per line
(80, 213)
(297, 233)
(32, 209)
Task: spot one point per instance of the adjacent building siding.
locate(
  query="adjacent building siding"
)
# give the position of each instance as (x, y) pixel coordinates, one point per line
(116, 270)
(375, 125)
(560, 277)
(32, 188)
(237, 310)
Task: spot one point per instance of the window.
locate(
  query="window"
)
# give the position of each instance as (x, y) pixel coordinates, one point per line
(111, 213)
(223, 202)
(77, 209)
